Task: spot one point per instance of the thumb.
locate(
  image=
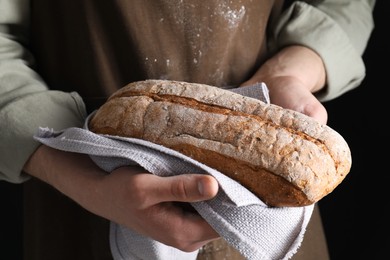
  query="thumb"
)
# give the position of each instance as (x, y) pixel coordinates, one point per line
(185, 188)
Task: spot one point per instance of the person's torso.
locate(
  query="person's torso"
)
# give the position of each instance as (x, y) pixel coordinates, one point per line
(96, 47)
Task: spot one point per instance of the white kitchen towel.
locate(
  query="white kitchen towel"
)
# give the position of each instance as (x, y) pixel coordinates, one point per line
(243, 220)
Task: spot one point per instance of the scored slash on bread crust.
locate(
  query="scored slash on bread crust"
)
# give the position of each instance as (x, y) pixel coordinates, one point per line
(282, 156)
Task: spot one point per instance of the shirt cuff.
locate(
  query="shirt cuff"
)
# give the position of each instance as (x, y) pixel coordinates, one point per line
(21, 120)
(303, 24)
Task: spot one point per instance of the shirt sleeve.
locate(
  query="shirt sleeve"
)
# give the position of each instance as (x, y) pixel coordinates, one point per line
(338, 30)
(26, 103)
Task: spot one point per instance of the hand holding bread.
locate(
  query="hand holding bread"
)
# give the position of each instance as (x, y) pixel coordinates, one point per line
(284, 157)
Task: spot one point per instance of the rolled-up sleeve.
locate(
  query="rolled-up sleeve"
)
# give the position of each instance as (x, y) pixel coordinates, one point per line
(338, 30)
(26, 103)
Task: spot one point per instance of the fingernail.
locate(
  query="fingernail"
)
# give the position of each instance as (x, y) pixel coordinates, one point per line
(200, 187)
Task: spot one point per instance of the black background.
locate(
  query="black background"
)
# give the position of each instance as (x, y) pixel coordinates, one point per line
(355, 214)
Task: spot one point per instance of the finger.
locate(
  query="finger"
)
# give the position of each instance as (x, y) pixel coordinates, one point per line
(184, 188)
(178, 228)
(316, 110)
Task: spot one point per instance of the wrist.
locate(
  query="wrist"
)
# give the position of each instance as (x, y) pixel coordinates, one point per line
(70, 173)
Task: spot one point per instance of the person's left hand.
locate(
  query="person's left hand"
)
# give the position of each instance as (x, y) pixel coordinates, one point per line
(293, 76)
(288, 92)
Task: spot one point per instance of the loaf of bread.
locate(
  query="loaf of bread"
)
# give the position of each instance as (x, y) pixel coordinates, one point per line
(285, 158)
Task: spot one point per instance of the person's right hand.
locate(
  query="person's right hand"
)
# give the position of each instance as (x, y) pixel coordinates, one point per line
(130, 196)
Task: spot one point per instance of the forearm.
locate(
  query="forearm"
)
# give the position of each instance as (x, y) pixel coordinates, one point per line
(74, 175)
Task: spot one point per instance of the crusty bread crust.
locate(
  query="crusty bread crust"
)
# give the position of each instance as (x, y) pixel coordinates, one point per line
(284, 157)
